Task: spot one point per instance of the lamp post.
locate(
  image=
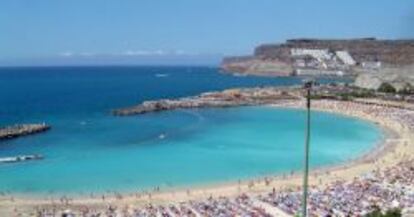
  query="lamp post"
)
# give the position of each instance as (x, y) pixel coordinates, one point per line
(307, 86)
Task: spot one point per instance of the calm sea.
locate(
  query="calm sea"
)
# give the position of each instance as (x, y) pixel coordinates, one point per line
(88, 150)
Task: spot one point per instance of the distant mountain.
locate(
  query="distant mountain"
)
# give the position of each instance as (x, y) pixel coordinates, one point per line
(323, 57)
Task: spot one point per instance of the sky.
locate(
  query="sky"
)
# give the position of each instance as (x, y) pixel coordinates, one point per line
(48, 32)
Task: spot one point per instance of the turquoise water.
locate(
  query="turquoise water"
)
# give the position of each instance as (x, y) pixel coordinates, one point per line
(200, 146)
(88, 150)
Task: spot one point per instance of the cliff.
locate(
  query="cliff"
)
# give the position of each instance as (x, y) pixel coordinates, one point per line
(401, 78)
(258, 66)
(300, 55)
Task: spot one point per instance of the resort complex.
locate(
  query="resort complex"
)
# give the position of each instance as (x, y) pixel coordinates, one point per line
(319, 57)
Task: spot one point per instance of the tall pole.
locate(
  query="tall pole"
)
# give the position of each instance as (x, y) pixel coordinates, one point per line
(306, 160)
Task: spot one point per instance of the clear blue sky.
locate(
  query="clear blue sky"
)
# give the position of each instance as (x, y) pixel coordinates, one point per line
(33, 31)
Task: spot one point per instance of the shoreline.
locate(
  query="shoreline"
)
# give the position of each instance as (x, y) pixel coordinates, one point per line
(378, 146)
(380, 156)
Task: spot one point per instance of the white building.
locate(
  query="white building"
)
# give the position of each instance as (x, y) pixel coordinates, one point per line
(371, 65)
(345, 57)
(319, 54)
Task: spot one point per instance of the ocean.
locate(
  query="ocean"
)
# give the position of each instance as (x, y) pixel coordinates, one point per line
(89, 150)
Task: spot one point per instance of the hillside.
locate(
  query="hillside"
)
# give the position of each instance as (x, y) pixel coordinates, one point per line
(323, 57)
(400, 78)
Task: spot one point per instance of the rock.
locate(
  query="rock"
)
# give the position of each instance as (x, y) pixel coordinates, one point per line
(398, 77)
(19, 130)
(258, 67)
(226, 98)
(368, 81)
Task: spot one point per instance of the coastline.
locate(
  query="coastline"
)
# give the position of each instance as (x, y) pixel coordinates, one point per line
(381, 156)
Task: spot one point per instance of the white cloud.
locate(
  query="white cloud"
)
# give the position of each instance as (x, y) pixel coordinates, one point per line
(157, 53)
(72, 54)
(66, 54)
(136, 53)
(179, 52)
(129, 53)
(86, 54)
(160, 52)
(146, 53)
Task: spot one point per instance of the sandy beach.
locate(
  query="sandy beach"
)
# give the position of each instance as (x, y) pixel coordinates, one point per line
(397, 146)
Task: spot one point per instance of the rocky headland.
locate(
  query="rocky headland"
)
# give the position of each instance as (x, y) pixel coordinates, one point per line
(18, 130)
(226, 98)
(323, 57)
(271, 95)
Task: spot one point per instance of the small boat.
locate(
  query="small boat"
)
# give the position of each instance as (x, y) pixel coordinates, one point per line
(160, 75)
(20, 158)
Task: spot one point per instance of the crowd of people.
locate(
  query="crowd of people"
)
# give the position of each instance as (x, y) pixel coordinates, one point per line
(242, 205)
(391, 188)
(386, 188)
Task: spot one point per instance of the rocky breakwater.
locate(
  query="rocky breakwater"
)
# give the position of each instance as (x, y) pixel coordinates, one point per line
(18, 130)
(227, 98)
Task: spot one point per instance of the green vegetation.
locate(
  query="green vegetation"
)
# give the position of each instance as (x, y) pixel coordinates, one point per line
(387, 88)
(390, 213)
(317, 96)
(345, 96)
(358, 93)
(408, 89)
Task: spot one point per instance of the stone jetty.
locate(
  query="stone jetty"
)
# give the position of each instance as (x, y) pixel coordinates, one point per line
(226, 98)
(18, 130)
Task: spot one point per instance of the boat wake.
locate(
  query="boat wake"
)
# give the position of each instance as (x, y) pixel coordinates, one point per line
(162, 136)
(20, 158)
(161, 75)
